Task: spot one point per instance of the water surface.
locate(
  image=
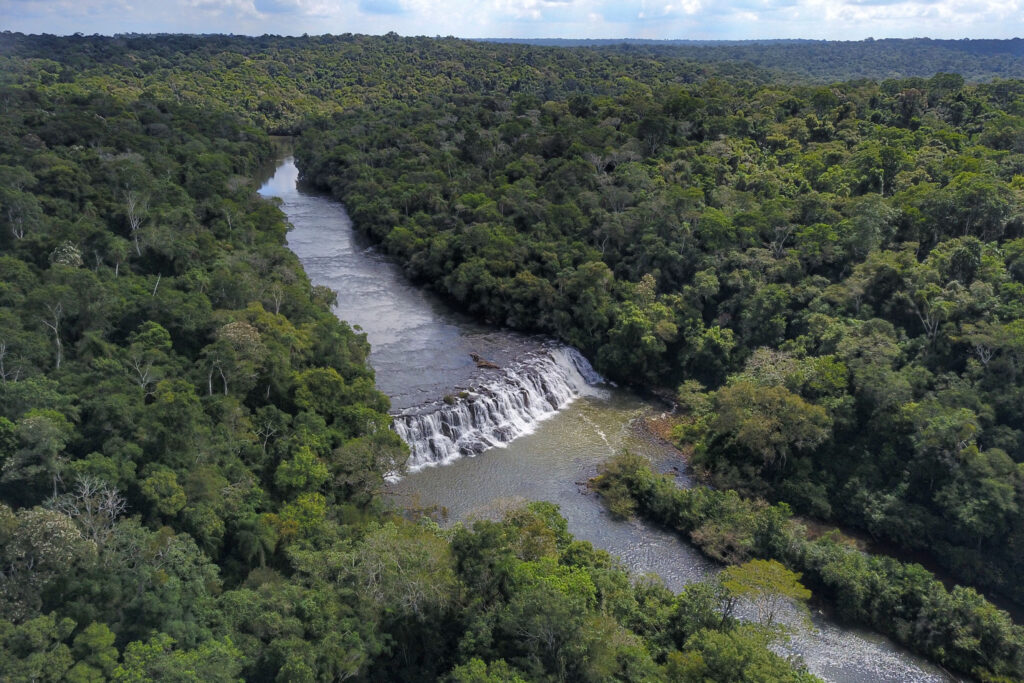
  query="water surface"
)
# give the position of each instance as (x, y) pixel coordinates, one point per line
(421, 352)
(420, 346)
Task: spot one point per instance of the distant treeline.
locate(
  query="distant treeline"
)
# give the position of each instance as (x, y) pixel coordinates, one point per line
(830, 60)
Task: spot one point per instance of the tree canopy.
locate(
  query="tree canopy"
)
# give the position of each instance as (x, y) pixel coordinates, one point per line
(830, 275)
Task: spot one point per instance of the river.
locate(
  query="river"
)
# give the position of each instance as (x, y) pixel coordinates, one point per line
(538, 426)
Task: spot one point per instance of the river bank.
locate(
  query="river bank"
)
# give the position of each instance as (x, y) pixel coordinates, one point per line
(421, 352)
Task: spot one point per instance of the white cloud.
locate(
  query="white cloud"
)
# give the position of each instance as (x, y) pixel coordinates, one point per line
(224, 8)
(690, 6)
(831, 19)
(531, 9)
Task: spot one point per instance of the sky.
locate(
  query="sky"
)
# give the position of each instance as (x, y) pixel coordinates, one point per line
(689, 19)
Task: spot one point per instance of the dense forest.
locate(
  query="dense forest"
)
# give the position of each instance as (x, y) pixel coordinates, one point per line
(834, 276)
(192, 447)
(957, 628)
(828, 279)
(278, 83)
(825, 61)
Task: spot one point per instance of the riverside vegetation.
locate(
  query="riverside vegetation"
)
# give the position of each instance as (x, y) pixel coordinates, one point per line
(192, 449)
(192, 446)
(956, 628)
(837, 274)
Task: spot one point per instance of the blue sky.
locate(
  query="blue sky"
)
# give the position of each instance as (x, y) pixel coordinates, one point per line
(695, 19)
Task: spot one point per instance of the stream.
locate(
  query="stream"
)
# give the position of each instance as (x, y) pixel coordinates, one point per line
(534, 428)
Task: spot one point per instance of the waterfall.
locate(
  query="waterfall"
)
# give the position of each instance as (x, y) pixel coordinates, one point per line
(498, 410)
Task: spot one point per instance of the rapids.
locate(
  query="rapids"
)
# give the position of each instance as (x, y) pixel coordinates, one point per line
(498, 410)
(534, 428)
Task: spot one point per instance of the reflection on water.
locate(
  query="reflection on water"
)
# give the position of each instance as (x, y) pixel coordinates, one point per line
(421, 352)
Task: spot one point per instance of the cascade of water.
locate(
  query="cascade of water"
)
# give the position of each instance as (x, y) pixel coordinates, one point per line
(499, 410)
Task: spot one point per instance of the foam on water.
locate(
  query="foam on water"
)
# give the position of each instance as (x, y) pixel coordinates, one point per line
(497, 411)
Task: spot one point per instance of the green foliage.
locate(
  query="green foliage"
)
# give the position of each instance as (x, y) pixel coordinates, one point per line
(159, 442)
(304, 472)
(834, 273)
(941, 65)
(479, 671)
(95, 653)
(37, 547)
(161, 487)
(156, 659)
(738, 655)
(34, 650)
(766, 584)
(821, 259)
(901, 599)
(767, 422)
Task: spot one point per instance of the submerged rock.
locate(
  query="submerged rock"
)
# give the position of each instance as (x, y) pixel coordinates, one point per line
(483, 362)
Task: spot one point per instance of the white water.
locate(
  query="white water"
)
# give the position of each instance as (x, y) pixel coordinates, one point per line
(421, 352)
(501, 409)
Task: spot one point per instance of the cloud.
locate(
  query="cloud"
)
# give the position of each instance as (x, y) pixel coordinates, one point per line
(705, 19)
(531, 9)
(275, 6)
(381, 7)
(229, 8)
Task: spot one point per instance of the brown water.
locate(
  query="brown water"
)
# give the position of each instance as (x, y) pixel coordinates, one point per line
(421, 353)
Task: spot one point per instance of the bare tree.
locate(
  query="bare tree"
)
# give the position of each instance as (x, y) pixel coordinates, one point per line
(94, 505)
(229, 216)
(53, 322)
(137, 205)
(7, 373)
(266, 431)
(782, 235)
(17, 222)
(983, 351)
(141, 372)
(217, 363)
(118, 252)
(276, 293)
(23, 212)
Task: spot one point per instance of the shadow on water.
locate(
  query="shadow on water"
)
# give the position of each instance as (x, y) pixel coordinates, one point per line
(421, 353)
